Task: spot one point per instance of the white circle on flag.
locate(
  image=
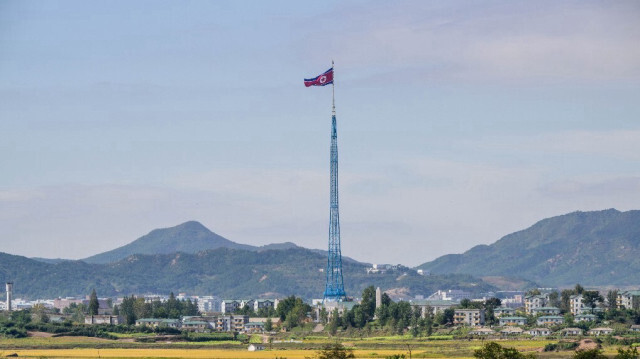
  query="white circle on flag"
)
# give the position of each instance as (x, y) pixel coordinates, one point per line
(323, 79)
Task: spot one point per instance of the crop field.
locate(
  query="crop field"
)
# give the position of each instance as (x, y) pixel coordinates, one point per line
(83, 347)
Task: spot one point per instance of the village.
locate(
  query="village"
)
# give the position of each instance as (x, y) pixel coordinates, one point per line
(537, 313)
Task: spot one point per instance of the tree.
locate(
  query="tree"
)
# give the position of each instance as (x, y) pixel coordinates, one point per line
(368, 303)
(578, 289)
(554, 299)
(334, 322)
(612, 299)
(335, 351)
(268, 325)
(629, 353)
(494, 350)
(589, 354)
(534, 291)
(93, 303)
(591, 298)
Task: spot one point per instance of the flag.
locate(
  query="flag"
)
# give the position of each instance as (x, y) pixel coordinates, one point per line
(321, 80)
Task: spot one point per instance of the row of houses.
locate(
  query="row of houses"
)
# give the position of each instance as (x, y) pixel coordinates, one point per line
(222, 323)
(546, 320)
(625, 299)
(543, 332)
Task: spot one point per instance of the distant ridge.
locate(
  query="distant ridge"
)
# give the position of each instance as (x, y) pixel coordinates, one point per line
(189, 237)
(591, 248)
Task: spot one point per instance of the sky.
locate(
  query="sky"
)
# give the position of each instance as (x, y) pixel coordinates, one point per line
(458, 122)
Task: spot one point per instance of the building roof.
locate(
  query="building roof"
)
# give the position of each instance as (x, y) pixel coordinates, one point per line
(513, 318)
(512, 330)
(551, 317)
(434, 302)
(546, 308)
(585, 315)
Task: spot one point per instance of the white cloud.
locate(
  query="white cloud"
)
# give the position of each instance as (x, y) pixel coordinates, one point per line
(499, 41)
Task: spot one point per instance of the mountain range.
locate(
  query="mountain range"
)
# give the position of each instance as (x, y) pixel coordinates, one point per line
(600, 248)
(228, 273)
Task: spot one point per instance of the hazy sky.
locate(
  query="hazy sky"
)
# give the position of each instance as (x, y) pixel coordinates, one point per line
(458, 122)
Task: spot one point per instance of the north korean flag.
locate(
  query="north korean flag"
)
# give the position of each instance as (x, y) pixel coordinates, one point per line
(321, 80)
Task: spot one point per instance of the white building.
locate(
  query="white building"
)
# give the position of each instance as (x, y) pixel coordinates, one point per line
(455, 295)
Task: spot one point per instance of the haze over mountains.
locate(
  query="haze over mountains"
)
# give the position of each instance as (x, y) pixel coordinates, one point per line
(592, 248)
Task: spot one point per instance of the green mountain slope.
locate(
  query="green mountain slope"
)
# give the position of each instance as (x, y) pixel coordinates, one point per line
(229, 273)
(188, 237)
(591, 248)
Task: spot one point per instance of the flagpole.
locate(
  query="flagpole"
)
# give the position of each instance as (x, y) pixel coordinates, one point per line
(333, 90)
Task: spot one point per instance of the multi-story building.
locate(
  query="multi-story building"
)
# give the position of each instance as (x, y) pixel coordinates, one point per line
(231, 323)
(264, 304)
(471, 317)
(503, 311)
(512, 321)
(435, 306)
(535, 301)
(545, 311)
(576, 304)
(229, 306)
(629, 299)
(550, 320)
(209, 304)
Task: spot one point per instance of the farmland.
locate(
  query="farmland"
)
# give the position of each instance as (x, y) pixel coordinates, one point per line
(83, 347)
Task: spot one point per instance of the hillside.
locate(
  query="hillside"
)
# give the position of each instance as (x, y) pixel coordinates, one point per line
(591, 248)
(188, 237)
(229, 273)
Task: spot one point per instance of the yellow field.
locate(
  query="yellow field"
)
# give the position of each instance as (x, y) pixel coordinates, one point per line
(184, 353)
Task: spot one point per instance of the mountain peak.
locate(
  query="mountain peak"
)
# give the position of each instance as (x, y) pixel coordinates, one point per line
(593, 248)
(188, 237)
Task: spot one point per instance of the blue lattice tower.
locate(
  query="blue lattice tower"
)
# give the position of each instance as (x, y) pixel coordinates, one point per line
(334, 288)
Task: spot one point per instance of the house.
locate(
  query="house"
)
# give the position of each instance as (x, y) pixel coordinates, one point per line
(511, 331)
(231, 323)
(512, 321)
(103, 319)
(434, 306)
(571, 331)
(264, 303)
(471, 317)
(584, 318)
(503, 311)
(545, 311)
(635, 328)
(254, 327)
(539, 332)
(255, 347)
(535, 301)
(601, 331)
(229, 306)
(247, 303)
(209, 304)
(275, 321)
(196, 325)
(455, 295)
(550, 320)
(628, 299)
(482, 331)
